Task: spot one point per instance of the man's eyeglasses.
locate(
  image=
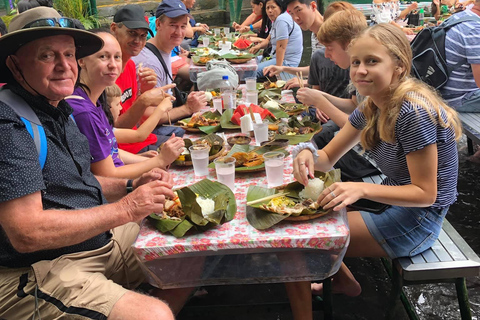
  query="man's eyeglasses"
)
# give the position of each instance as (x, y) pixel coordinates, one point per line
(51, 22)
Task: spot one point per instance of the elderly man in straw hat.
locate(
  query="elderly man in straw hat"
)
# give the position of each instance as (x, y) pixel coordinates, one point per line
(64, 250)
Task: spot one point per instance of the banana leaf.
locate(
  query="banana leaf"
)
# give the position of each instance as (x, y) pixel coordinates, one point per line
(293, 122)
(275, 94)
(205, 129)
(224, 210)
(225, 122)
(262, 219)
(247, 148)
(236, 56)
(293, 108)
(216, 145)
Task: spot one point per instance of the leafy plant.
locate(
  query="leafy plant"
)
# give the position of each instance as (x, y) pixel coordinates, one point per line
(80, 10)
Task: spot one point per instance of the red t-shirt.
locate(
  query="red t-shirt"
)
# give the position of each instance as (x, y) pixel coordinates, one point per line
(127, 81)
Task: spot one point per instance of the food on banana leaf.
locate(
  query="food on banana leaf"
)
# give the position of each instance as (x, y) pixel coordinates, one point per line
(198, 120)
(271, 104)
(284, 129)
(173, 209)
(215, 142)
(286, 205)
(273, 85)
(313, 189)
(247, 159)
(207, 205)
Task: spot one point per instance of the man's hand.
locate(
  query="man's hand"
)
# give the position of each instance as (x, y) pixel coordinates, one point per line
(147, 198)
(171, 149)
(202, 28)
(147, 78)
(195, 101)
(272, 70)
(155, 96)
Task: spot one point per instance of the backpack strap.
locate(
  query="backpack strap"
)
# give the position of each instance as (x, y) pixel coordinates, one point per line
(151, 47)
(450, 22)
(30, 119)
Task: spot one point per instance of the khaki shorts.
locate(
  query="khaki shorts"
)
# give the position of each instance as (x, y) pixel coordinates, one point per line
(83, 285)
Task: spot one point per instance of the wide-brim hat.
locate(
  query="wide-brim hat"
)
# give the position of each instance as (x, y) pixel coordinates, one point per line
(86, 43)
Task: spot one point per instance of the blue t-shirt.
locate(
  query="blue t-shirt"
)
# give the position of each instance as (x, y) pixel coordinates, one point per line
(93, 123)
(281, 30)
(414, 130)
(462, 49)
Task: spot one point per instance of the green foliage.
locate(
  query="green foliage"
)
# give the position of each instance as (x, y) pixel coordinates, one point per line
(78, 9)
(7, 19)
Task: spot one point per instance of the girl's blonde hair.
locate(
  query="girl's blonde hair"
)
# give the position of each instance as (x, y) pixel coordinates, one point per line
(342, 26)
(113, 91)
(381, 125)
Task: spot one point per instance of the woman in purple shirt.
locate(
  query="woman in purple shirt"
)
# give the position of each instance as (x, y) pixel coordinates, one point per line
(97, 72)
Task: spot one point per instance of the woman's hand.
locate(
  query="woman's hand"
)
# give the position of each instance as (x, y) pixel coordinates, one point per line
(321, 116)
(310, 97)
(171, 149)
(272, 70)
(254, 49)
(303, 166)
(341, 194)
(148, 154)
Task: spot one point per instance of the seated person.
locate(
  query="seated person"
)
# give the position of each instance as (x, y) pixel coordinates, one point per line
(462, 90)
(388, 11)
(97, 72)
(285, 38)
(194, 29)
(254, 20)
(66, 237)
(442, 9)
(181, 68)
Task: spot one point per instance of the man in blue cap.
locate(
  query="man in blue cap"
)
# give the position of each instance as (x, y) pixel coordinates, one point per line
(172, 19)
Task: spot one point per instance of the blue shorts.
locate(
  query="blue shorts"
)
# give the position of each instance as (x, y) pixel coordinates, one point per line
(404, 232)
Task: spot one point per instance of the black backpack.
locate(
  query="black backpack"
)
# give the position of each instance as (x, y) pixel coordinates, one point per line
(429, 63)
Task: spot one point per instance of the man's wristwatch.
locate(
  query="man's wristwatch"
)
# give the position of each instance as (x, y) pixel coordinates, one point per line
(129, 185)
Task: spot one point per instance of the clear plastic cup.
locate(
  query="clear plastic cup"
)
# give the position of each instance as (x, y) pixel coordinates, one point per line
(218, 104)
(217, 31)
(252, 97)
(261, 131)
(226, 30)
(199, 154)
(225, 169)
(206, 41)
(229, 99)
(251, 83)
(274, 167)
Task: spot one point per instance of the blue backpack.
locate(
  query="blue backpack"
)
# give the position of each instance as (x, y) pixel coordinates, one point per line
(31, 121)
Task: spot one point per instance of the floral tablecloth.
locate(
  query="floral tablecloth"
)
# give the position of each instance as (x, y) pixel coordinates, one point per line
(327, 233)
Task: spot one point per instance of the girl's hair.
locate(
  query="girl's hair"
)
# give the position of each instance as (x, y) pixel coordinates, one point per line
(103, 98)
(335, 7)
(113, 91)
(266, 22)
(342, 26)
(110, 92)
(380, 124)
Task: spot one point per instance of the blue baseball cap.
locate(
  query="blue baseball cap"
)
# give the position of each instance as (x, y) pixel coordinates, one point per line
(172, 9)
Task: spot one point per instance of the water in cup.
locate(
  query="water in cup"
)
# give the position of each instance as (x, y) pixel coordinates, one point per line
(225, 169)
(206, 41)
(218, 104)
(226, 30)
(251, 83)
(199, 154)
(274, 168)
(261, 131)
(217, 31)
(252, 97)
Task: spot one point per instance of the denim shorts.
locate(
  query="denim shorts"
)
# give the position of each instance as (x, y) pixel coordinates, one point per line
(404, 232)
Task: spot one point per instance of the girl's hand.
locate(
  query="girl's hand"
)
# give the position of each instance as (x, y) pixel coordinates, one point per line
(171, 149)
(309, 96)
(303, 166)
(235, 26)
(321, 116)
(166, 105)
(148, 154)
(341, 194)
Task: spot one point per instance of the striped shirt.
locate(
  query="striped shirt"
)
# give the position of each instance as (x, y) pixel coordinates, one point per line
(415, 130)
(462, 49)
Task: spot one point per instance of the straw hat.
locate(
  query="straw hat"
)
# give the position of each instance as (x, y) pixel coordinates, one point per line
(20, 33)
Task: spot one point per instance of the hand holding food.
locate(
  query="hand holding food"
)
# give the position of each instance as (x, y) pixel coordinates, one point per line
(171, 149)
(310, 97)
(303, 166)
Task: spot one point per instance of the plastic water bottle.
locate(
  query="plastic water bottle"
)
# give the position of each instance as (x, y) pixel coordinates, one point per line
(227, 92)
(421, 16)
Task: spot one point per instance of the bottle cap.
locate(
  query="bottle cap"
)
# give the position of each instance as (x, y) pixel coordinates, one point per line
(225, 78)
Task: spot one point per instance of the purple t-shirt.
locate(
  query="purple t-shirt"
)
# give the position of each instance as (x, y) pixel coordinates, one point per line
(93, 123)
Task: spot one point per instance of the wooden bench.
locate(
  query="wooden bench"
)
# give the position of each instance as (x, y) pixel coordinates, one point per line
(450, 259)
(471, 128)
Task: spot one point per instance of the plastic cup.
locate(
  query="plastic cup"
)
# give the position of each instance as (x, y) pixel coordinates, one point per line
(199, 154)
(218, 104)
(252, 97)
(274, 168)
(261, 131)
(251, 83)
(217, 31)
(226, 30)
(206, 41)
(225, 169)
(229, 100)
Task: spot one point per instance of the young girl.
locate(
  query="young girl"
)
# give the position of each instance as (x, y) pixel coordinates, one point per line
(411, 134)
(98, 71)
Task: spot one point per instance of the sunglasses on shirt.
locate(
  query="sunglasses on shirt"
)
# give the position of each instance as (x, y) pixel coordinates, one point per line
(51, 22)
